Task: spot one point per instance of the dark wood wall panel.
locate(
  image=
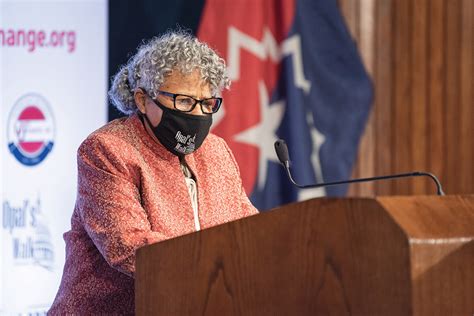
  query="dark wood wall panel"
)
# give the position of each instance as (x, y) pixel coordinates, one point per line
(419, 114)
(466, 140)
(382, 79)
(452, 108)
(420, 57)
(436, 75)
(402, 138)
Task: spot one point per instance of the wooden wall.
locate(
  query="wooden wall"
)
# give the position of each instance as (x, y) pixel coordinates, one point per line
(419, 54)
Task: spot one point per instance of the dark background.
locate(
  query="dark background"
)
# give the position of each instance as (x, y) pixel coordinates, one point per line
(132, 22)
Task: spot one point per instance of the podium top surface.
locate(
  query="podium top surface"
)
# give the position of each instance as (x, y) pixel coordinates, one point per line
(425, 217)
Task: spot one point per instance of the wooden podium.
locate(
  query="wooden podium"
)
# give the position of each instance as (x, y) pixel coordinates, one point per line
(352, 256)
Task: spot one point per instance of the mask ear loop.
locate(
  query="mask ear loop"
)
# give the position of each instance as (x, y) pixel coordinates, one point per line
(143, 115)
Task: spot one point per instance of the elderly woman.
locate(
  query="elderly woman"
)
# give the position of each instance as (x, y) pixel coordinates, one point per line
(151, 176)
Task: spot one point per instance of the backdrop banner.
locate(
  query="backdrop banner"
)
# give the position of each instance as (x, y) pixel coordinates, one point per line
(53, 84)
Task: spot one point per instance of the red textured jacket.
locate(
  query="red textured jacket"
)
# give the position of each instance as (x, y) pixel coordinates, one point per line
(132, 192)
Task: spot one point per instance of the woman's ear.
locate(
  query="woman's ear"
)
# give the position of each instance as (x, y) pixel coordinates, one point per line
(140, 100)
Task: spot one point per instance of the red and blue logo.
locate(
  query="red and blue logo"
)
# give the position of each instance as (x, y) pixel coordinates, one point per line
(31, 129)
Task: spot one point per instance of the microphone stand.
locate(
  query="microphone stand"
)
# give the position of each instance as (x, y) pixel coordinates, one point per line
(282, 153)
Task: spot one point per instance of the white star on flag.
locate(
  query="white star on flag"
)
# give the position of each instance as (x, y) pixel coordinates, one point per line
(263, 135)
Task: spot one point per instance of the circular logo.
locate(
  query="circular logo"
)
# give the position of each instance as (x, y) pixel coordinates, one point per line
(31, 129)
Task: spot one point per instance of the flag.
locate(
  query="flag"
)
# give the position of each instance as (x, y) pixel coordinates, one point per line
(296, 75)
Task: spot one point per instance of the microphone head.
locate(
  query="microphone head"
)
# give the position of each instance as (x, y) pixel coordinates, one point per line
(282, 151)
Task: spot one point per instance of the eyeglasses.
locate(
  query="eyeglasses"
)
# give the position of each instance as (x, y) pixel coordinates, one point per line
(186, 103)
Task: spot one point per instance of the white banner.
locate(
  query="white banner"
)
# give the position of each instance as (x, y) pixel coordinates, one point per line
(53, 84)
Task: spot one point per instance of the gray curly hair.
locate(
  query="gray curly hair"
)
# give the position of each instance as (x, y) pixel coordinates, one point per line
(154, 60)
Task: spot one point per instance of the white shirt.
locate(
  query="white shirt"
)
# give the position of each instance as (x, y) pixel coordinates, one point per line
(192, 188)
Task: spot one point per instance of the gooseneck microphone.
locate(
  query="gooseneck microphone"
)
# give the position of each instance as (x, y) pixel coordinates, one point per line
(284, 157)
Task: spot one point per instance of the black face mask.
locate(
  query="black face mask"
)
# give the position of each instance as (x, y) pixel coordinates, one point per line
(179, 132)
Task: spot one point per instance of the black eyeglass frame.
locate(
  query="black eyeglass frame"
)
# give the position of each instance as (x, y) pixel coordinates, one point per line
(196, 101)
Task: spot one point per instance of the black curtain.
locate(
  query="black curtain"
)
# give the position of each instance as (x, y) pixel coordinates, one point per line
(131, 22)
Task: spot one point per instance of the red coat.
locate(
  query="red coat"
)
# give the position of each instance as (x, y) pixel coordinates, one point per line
(132, 192)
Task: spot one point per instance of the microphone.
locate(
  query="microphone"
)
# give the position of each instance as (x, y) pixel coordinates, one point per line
(282, 152)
